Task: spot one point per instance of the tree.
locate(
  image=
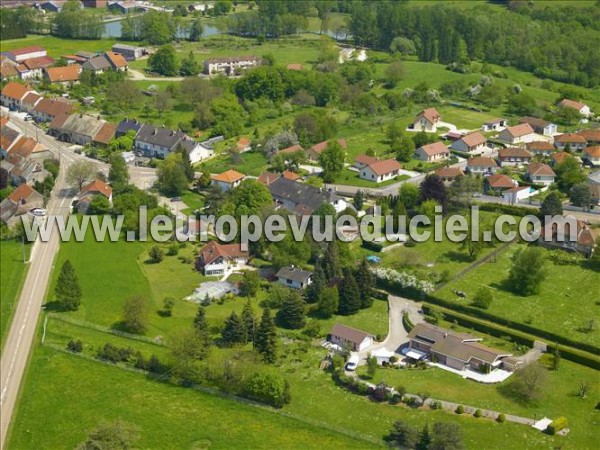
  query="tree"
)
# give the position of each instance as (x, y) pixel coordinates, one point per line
(111, 435)
(349, 295)
(68, 291)
(156, 254)
(98, 206)
(80, 173)
(292, 313)
(135, 315)
(371, 365)
(424, 438)
(394, 73)
(403, 45)
(313, 292)
(200, 324)
(162, 102)
(569, 173)
(555, 358)
(164, 61)
(332, 161)
(328, 302)
(521, 104)
(266, 338)
(409, 195)
(249, 321)
(446, 436)
(249, 198)
(529, 382)
(331, 261)
(483, 298)
(118, 174)
(125, 95)
(196, 31)
(189, 66)
(403, 435)
(234, 331)
(364, 280)
(250, 284)
(433, 188)
(552, 205)
(359, 200)
(581, 195)
(172, 180)
(527, 271)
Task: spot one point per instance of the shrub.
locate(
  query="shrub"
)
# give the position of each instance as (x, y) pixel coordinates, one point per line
(435, 405)
(156, 254)
(268, 388)
(393, 359)
(396, 398)
(460, 409)
(557, 425)
(501, 418)
(478, 413)
(173, 250)
(362, 388)
(413, 402)
(75, 346)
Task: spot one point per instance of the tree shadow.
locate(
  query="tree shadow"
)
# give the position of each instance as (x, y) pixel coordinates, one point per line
(504, 286)
(53, 306)
(121, 325)
(455, 256)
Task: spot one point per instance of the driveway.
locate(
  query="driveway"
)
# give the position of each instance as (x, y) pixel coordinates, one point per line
(136, 75)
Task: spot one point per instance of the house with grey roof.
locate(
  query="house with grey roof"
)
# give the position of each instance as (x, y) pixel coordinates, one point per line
(158, 142)
(348, 337)
(126, 125)
(294, 277)
(78, 129)
(302, 198)
(97, 64)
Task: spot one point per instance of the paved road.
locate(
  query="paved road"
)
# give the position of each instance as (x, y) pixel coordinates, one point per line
(136, 75)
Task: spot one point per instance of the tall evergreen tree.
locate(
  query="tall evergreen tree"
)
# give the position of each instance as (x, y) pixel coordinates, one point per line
(292, 313)
(318, 283)
(249, 321)
(349, 295)
(118, 174)
(234, 331)
(359, 200)
(329, 301)
(68, 291)
(266, 337)
(186, 163)
(364, 280)
(424, 438)
(331, 261)
(201, 326)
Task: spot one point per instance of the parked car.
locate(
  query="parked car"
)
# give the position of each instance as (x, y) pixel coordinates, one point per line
(28, 118)
(352, 363)
(39, 212)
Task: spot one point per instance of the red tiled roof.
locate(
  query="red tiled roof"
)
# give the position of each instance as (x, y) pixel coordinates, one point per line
(365, 159)
(24, 147)
(520, 130)
(25, 50)
(117, 60)
(54, 107)
(106, 133)
(99, 187)
(449, 172)
(537, 168)
(430, 114)
(500, 181)
(435, 149)
(229, 176)
(590, 135)
(561, 156)
(384, 167)
(292, 149)
(291, 175)
(318, 148)
(514, 152)
(3, 121)
(539, 146)
(213, 250)
(481, 161)
(15, 90)
(21, 193)
(63, 74)
(242, 143)
(32, 98)
(267, 178)
(594, 151)
(474, 139)
(38, 63)
(570, 138)
(59, 120)
(566, 103)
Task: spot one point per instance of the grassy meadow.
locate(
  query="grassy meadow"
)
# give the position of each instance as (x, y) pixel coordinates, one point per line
(11, 279)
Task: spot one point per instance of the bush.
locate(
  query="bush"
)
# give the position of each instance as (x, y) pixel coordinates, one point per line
(268, 388)
(75, 346)
(173, 250)
(373, 246)
(478, 413)
(557, 425)
(460, 409)
(501, 418)
(408, 325)
(362, 388)
(396, 398)
(413, 402)
(435, 405)
(115, 354)
(156, 254)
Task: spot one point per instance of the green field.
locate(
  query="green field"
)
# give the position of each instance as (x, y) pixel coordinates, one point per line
(11, 278)
(568, 299)
(57, 47)
(250, 163)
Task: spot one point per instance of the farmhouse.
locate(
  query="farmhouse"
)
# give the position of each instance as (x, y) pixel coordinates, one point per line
(449, 174)
(540, 148)
(34, 68)
(216, 259)
(592, 155)
(459, 351)
(64, 75)
(294, 277)
(230, 65)
(474, 143)
(129, 52)
(348, 337)
(22, 54)
(427, 120)
(581, 240)
(78, 129)
(432, 152)
(381, 171)
(494, 125)
(29, 101)
(23, 199)
(91, 191)
(540, 173)
(540, 126)
(228, 180)
(582, 108)
(499, 182)
(482, 166)
(518, 134)
(315, 151)
(12, 95)
(574, 141)
(303, 199)
(514, 156)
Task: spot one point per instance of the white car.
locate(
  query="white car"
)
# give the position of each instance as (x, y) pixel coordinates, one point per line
(28, 118)
(39, 212)
(352, 363)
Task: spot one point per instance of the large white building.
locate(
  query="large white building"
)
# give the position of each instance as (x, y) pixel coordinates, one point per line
(230, 65)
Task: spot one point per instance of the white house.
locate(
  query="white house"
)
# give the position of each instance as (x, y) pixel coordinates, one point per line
(592, 155)
(540, 126)
(518, 134)
(427, 120)
(432, 152)
(540, 148)
(12, 95)
(362, 161)
(582, 108)
(514, 156)
(540, 173)
(482, 165)
(216, 259)
(345, 336)
(381, 171)
(196, 151)
(516, 194)
(228, 180)
(494, 125)
(575, 141)
(294, 278)
(474, 143)
(229, 65)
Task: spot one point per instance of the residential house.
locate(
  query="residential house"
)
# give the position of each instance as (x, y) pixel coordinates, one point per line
(117, 61)
(362, 161)
(540, 126)
(291, 149)
(106, 61)
(494, 125)
(129, 52)
(427, 120)
(432, 152)
(8, 69)
(8, 138)
(157, 142)
(23, 170)
(228, 180)
(123, 7)
(294, 277)
(514, 156)
(91, 191)
(105, 134)
(449, 174)
(581, 240)
(582, 108)
(230, 65)
(196, 151)
(458, 351)
(594, 184)
(78, 129)
(516, 194)
(30, 101)
(381, 171)
(303, 199)
(74, 59)
(315, 151)
(574, 141)
(289, 175)
(27, 147)
(85, 56)
(64, 75)
(12, 95)
(591, 135)
(474, 143)
(351, 338)
(126, 125)
(592, 155)
(47, 109)
(243, 144)
(540, 148)
(34, 68)
(560, 157)
(480, 165)
(217, 259)
(95, 3)
(22, 54)
(519, 134)
(540, 173)
(499, 182)
(20, 201)
(267, 178)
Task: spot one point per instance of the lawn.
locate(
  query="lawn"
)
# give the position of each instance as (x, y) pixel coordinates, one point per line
(11, 278)
(57, 47)
(351, 178)
(193, 200)
(568, 299)
(251, 163)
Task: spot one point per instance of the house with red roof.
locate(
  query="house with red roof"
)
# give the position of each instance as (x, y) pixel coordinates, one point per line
(362, 161)
(380, 171)
(434, 152)
(47, 109)
(499, 182)
(228, 180)
(20, 201)
(12, 95)
(480, 165)
(519, 134)
(540, 173)
(22, 54)
(540, 148)
(427, 120)
(573, 140)
(592, 155)
(514, 156)
(64, 75)
(449, 174)
(91, 191)
(582, 108)
(591, 135)
(474, 143)
(315, 151)
(216, 259)
(580, 238)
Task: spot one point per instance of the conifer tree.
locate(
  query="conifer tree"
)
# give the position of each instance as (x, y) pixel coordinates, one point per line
(331, 261)
(329, 301)
(349, 295)
(249, 321)
(364, 280)
(292, 313)
(234, 331)
(201, 325)
(266, 337)
(68, 291)
(313, 291)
